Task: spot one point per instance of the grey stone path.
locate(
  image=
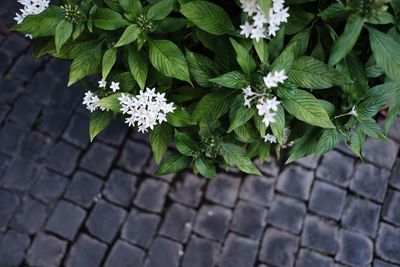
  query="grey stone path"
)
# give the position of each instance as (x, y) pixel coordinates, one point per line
(66, 202)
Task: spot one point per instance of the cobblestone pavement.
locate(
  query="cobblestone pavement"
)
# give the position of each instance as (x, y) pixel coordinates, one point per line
(66, 202)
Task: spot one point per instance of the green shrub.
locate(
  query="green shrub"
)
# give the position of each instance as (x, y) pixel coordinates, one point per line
(230, 81)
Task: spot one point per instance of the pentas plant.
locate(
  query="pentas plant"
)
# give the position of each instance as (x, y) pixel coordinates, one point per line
(229, 81)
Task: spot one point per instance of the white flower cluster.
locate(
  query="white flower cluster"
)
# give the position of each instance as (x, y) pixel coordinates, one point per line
(31, 7)
(256, 30)
(114, 85)
(266, 107)
(90, 100)
(146, 110)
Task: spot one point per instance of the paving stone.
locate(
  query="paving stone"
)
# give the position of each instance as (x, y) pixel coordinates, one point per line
(278, 248)
(67, 97)
(120, 187)
(238, 252)
(24, 68)
(151, 195)
(10, 90)
(98, 159)
(381, 153)
(362, 216)
(8, 204)
(58, 69)
(15, 45)
(354, 249)
(370, 181)
(11, 136)
(134, 156)
(30, 216)
(308, 258)
(12, 248)
(124, 255)
(327, 200)
(114, 134)
(25, 111)
(394, 131)
(391, 208)
(223, 190)
(20, 175)
(83, 189)
(387, 244)
(336, 168)
(269, 167)
(379, 263)
(320, 235)
(163, 252)
(258, 189)
(178, 223)
(310, 162)
(140, 228)
(105, 220)
(249, 219)
(212, 222)
(46, 251)
(74, 132)
(35, 146)
(86, 252)
(395, 177)
(66, 220)
(200, 252)
(54, 120)
(188, 190)
(287, 213)
(4, 161)
(62, 158)
(4, 111)
(6, 62)
(49, 186)
(295, 181)
(41, 94)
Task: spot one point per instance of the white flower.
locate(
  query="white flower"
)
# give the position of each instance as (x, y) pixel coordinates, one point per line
(259, 19)
(280, 76)
(145, 110)
(247, 29)
(273, 104)
(249, 6)
(247, 91)
(272, 79)
(90, 100)
(266, 108)
(257, 33)
(268, 118)
(31, 7)
(114, 86)
(102, 83)
(269, 138)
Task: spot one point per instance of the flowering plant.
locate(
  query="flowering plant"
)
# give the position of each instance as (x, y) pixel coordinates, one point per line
(229, 81)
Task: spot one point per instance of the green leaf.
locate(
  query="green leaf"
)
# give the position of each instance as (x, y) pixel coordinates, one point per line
(161, 9)
(98, 122)
(308, 72)
(86, 63)
(42, 24)
(235, 155)
(201, 68)
(387, 53)
(168, 59)
(63, 33)
(131, 33)
(111, 102)
(265, 5)
(239, 114)
(169, 25)
(286, 58)
(109, 58)
(180, 118)
(246, 62)
(329, 139)
(369, 127)
(214, 104)
(132, 8)
(185, 144)
(344, 44)
(208, 16)
(305, 145)
(305, 107)
(173, 164)
(262, 50)
(108, 19)
(278, 127)
(205, 167)
(159, 138)
(233, 79)
(138, 65)
(298, 20)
